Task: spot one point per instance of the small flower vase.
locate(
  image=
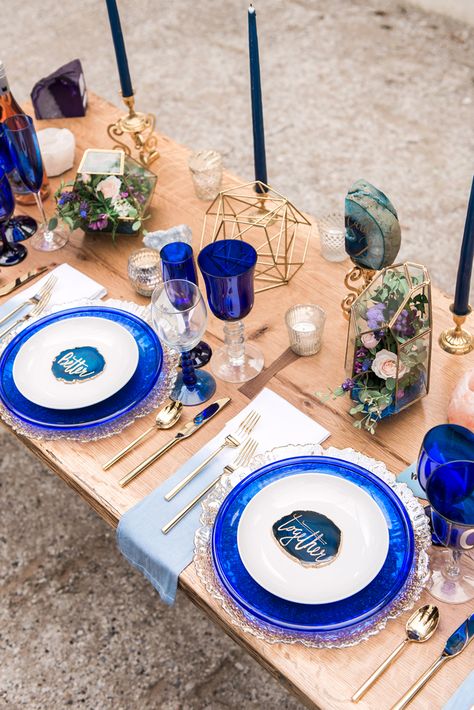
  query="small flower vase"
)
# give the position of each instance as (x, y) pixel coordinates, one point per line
(389, 344)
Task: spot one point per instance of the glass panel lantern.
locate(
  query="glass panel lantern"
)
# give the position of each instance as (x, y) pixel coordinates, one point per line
(389, 342)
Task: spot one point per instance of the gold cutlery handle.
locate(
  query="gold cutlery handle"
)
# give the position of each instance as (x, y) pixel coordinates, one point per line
(127, 448)
(179, 486)
(147, 462)
(378, 672)
(179, 516)
(420, 683)
(12, 313)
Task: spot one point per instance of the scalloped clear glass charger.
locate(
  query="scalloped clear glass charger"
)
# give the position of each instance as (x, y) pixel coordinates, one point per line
(153, 399)
(350, 635)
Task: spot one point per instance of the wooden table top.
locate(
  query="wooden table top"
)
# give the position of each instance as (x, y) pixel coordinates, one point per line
(321, 678)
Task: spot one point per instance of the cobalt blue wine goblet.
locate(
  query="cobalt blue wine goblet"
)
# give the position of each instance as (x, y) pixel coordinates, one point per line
(177, 262)
(20, 227)
(228, 267)
(26, 155)
(450, 492)
(441, 444)
(10, 254)
(180, 316)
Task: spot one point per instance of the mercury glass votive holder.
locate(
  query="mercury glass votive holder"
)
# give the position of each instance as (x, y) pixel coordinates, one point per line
(206, 171)
(305, 325)
(144, 271)
(332, 235)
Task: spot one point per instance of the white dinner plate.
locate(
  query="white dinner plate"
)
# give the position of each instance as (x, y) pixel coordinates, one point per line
(33, 365)
(363, 544)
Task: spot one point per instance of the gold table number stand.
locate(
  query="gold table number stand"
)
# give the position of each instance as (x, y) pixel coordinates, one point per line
(140, 127)
(356, 280)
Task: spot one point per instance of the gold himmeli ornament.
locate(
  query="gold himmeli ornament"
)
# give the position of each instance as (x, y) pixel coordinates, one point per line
(139, 127)
(257, 214)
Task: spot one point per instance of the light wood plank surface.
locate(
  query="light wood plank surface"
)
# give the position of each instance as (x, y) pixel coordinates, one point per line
(322, 679)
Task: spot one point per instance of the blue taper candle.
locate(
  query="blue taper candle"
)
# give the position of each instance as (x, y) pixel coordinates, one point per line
(463, 281)
(119, 45)
(260, 160)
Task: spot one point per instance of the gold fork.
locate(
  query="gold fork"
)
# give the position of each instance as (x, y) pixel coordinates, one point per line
(34, 300)
(35, 311)
(242, 459)
(245, 428)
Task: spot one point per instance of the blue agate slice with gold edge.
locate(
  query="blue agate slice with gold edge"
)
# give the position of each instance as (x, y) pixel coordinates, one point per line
(309, 537)
(373, 234)
(78, 364)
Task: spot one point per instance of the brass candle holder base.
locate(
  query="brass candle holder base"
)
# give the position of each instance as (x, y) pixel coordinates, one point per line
(356, 280)
(457, 340)
(139, 126)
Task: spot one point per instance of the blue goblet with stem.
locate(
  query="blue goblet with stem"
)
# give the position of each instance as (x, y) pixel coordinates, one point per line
(441, 444)
(26, 155)
(180, 316)
(19, 227)
(228, 267)
(10, 254)
(177, 262)
(450, 492)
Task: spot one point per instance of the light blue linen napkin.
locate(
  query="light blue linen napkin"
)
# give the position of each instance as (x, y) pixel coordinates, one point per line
(162, 558)
(463, 697)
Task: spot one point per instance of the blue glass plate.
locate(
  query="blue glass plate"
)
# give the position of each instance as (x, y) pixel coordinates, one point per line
(314, 618)
(137, 388)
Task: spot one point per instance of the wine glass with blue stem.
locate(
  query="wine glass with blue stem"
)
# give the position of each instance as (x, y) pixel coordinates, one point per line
(180, 317)
(19, 227)
(228, 267)
(441, 444)
(11, 254)
(177, 262)
(450, 492)
(26, 156)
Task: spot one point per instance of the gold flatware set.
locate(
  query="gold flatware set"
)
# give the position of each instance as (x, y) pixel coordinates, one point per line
(38, 302)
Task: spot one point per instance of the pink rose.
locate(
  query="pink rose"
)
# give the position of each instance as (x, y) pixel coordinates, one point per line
(110, 187)
(385, 365)
(369, 340)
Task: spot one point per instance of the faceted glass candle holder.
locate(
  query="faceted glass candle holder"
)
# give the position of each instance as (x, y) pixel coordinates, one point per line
(305, 325)
(332, 235)
(206, 171)
(144, 271)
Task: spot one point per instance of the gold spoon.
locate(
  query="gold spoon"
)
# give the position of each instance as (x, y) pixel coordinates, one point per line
(419, 628)
(165, 419)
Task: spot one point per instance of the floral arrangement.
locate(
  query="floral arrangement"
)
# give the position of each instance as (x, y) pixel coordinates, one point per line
(389, 361)
(99, 203)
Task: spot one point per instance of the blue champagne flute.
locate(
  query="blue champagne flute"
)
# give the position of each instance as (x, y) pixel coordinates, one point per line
(20, 227)
(177, 262)
(228, 267)
(11, 254)
(26, 155)
(441, 444)
(180, 316)
(450, 492)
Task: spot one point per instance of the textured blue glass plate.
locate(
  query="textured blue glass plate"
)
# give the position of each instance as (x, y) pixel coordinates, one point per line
(270, 609)
(137, 388)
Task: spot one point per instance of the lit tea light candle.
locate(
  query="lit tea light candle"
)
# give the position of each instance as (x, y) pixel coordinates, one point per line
(305, 325)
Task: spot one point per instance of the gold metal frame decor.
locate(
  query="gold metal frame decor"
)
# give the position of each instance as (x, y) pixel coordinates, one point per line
(140, 128)
(270, 222)
(457, 340)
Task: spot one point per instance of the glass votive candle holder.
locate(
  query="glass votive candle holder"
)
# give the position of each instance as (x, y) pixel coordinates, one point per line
(332, 235)
(206, 171)
(144, 271)
(305, 325)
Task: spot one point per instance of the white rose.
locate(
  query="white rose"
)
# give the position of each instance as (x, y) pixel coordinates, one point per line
(110, 187)
(385, 365)
(369, 340)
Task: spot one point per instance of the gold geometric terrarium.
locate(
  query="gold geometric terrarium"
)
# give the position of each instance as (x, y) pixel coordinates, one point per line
(267, 220)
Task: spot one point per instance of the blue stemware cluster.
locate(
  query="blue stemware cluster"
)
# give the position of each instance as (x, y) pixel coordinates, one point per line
(11, 254)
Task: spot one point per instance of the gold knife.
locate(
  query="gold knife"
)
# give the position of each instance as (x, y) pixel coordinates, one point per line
(13, 285)
(199, 420)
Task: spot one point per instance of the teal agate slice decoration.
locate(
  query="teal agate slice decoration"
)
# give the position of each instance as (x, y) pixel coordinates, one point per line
(373, 235)
(78, 364)
(309, 537)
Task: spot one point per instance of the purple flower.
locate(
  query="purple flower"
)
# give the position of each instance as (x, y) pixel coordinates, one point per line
(348, 385)
(361, 353)
(375, 315)
(124, 194)
(83, 209)
(100, 223)
(66, 197)
(366, 364)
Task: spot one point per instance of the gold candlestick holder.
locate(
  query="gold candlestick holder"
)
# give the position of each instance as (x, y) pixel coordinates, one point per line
(457, 340)
(356, 280)
(140, 128)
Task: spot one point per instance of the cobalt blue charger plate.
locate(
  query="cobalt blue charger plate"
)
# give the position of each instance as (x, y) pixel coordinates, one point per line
(312, 618)
(143, 380)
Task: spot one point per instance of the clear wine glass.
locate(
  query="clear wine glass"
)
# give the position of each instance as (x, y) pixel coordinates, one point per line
(228, 267)
(11, 254)
(180, 316)
(26, 155)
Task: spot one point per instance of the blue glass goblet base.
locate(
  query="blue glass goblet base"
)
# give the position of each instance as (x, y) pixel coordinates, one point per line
(190, 395)
(452, 576)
